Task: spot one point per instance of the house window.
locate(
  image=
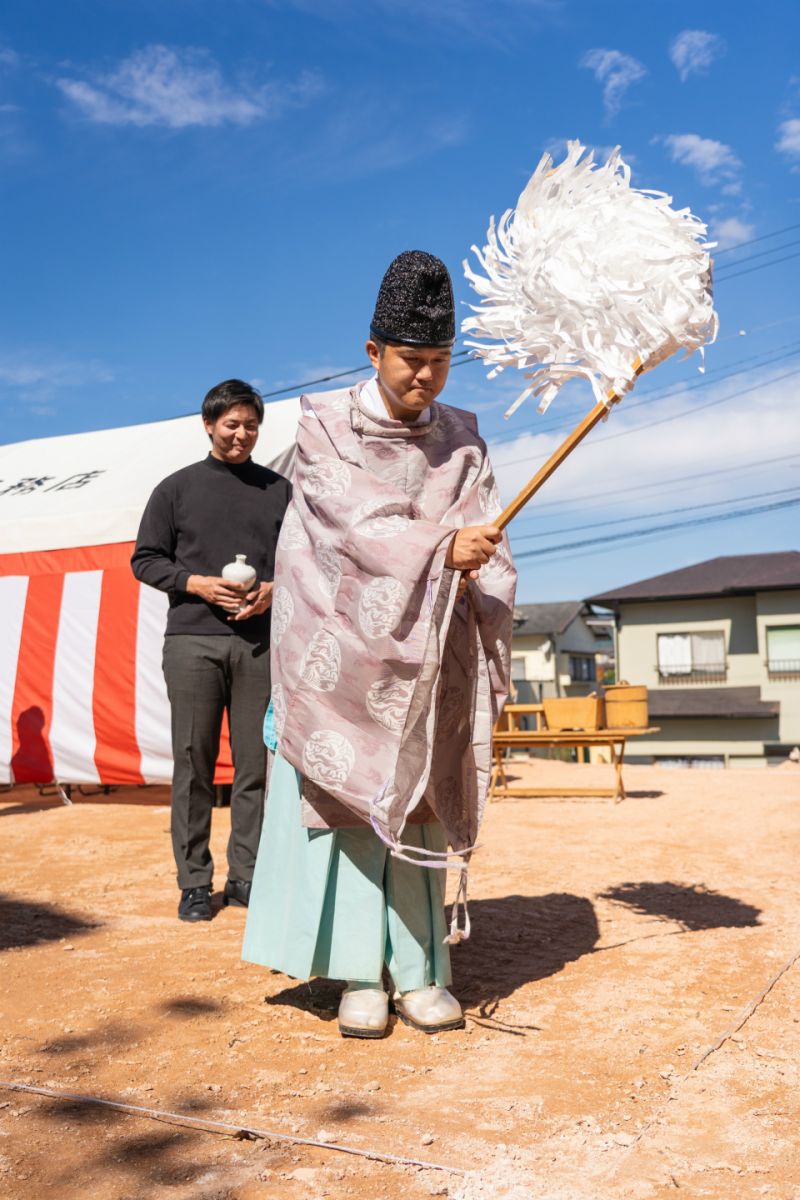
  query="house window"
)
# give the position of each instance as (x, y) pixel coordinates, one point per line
(692, 657)
(518, 667)
(783, 650)
(582, 668)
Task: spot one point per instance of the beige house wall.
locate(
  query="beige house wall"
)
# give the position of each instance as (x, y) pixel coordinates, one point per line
(682, 736)
(640, 624)
(744, 621)
(539, 666)
(772, 609)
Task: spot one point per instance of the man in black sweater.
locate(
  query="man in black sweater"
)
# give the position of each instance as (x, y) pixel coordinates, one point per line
(216, 649)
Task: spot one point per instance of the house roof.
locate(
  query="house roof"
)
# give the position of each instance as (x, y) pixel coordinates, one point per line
(730, 575)
(725, 702)
(545, 618)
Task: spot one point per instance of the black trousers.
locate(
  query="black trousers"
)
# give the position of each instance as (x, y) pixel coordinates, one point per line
(205, 676)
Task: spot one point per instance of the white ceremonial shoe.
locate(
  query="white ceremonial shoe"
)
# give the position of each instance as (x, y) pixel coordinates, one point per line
(430, 1009)
(363, 1013)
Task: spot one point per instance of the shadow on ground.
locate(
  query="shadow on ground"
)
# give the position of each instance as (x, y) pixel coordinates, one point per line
(190, 1006)
(28, 923)
(319, 996)
(135, 1152)
(517, 940)
(14, 810)
(561, 790)
(692, 906)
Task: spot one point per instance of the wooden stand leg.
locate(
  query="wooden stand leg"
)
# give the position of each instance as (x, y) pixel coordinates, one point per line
(498, 774)
(618, 756)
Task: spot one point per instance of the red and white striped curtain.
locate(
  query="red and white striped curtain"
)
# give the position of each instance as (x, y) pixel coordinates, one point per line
(82, 695)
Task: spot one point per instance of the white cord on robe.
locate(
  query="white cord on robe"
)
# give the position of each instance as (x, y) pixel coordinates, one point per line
(437, 860)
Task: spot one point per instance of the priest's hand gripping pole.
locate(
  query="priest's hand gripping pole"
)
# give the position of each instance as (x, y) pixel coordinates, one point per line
(600, 410)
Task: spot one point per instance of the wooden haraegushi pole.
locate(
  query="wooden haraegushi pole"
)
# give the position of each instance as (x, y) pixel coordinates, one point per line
(555, 460)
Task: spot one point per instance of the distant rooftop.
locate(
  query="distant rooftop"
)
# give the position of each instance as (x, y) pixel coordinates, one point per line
(545, 618)
(731, 575)
(552, 618)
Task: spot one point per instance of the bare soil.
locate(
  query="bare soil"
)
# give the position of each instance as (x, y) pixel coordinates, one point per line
(612, 947)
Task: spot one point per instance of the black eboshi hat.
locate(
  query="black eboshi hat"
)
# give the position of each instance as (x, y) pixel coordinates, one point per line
(415, 302)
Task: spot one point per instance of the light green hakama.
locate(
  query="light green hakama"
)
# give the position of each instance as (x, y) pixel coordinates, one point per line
(334, 903)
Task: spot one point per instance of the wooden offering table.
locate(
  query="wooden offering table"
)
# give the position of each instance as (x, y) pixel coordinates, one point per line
(508, 736)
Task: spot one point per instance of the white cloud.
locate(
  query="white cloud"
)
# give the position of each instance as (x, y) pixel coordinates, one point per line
(753, 428)
(160, 86)
(617, 72)
(713, 161)
(8, 57)
(732, 232)
(344, 149)
(43, 371)
(788, 142)
(694, 50)
(668, 465)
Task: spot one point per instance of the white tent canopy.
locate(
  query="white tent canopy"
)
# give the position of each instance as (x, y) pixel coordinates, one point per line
(89, 489)
(82, 696)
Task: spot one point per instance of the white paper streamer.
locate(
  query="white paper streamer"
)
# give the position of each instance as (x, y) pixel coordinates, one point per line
(589, 277)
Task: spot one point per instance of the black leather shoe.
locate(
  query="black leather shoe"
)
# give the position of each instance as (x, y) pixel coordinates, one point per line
(237, 892)
(195, 903)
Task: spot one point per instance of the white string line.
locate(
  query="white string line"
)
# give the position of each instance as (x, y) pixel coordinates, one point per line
(739, 1023)
(226, 1129)
(747, 1013)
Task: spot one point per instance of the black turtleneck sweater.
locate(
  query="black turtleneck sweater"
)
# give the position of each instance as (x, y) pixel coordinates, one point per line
(195, 522)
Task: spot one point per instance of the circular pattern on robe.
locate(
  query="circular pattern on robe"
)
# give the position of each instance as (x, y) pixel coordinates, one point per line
(322, 662)
(387, 702)
(326, 477)
(451, 712)
(328, 758)
(489, 500)
(381, 606)
(330, 568)
(372, 520)
(282, 613)
(293, 535)
(278, 708)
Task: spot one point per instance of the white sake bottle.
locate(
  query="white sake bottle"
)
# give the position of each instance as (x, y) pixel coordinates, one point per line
(240, 571)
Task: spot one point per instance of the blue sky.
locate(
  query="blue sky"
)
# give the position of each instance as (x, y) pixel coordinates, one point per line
(195, 190)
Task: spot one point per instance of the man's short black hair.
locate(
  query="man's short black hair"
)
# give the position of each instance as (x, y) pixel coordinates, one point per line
(227, 395)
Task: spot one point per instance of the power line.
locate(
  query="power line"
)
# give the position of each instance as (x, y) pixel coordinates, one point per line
(298, 387)
(466, 355)
(712, 377)
(641, 487)
(667, 512)
(630, 534)
(684, 415)
(752, 241)
(776, 262)
(670, 481)
(753, 257)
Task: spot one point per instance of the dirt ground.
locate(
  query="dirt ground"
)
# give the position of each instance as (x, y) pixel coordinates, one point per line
(612, 947)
